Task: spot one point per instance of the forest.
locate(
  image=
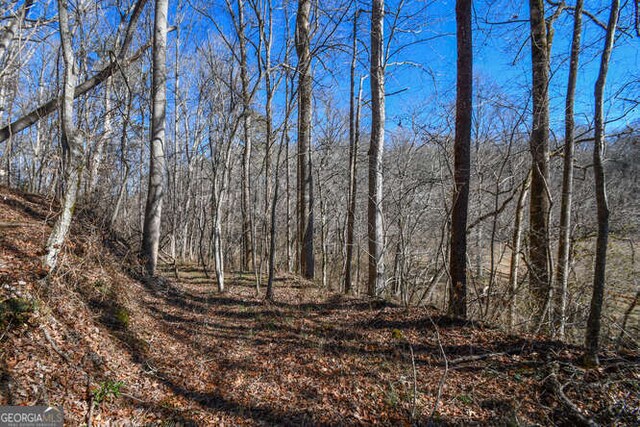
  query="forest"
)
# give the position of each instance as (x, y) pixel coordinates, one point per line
(337, 212)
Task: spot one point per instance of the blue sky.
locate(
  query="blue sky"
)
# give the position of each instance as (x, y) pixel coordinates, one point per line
(427, 85)
(502, 60)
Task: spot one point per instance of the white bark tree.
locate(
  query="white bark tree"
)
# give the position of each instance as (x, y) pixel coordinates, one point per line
(155, 193)
(375, 229)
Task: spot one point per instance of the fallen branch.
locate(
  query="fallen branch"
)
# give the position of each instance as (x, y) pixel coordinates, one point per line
(553, 383)
(474, 358)
(55, 347)
(415, 383)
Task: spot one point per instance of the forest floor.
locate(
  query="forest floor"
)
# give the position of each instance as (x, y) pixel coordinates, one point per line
(111, 347)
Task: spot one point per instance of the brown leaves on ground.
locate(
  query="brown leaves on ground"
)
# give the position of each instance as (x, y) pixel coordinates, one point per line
(189, 355)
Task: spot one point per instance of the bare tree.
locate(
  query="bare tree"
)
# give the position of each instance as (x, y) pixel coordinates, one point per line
(539, 275)
(248, 243)
(592, 338)
(562, 274)
(516, 242)
(353, 155)
(375, 229)
(72, 152)
(462, 162)
(305, 176)
(155, 193)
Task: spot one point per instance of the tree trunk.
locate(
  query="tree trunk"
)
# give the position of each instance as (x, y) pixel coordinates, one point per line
(562, 273)
(73, 158)
(462, 162)
(96, 156)
(376, 279)
(124, 161)
(353, 156)
(288, 207)
(305, 177)
(155, 194)
(592, 339)
(516, 243)
(539, 275)
(274, 201)
(247, 231)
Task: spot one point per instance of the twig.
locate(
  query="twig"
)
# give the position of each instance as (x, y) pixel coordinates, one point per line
(415, 382)
(54, 346)
(6, 330)
(444, 376)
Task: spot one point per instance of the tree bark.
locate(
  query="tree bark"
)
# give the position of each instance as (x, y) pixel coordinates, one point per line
(73, 157)
(592, 339)
(539, 275)
(305, 177)
(353, 156)
(562, 273)
(247, 230)
(376, 280)
(516, 243)
(97, 153)
(155, 194)
(462, 162)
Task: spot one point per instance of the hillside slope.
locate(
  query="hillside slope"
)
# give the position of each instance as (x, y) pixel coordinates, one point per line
(111, 348)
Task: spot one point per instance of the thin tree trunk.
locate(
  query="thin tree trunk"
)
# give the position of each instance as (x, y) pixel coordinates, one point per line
(176, 121)
(627, 314)
(376, 279)
(266, 34)
(323, 232)
(305, 177)
(516, 244)
(592, 339)
(155, 194)
(274, 201)
(353, 156)
(462, 162)
(96, 157)
(288, 191)
(247, 228)
(124, 161)
(562, 274)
